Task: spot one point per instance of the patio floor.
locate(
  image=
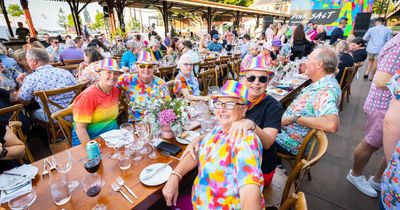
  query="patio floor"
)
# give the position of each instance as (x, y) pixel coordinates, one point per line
(328, 188)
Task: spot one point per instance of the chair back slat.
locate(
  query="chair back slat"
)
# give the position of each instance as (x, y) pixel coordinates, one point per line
(167, 73)
(72, 61)
(170, 86)
(208, 78)
(65, 125)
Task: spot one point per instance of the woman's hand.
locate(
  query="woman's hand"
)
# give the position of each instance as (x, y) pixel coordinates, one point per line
(239, 129)
(171, 190)
(287, 121)
(193, 148)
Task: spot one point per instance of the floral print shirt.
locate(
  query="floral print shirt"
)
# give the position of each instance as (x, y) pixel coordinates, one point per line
(390, 187)
(139, 92)
(89, 74)
(182, 82)
(224, 167)
(318, 99)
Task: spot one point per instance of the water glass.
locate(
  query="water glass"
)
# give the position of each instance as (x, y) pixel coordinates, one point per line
(206, 126)
(22, 201)
(63, 162)
(91, 181)
(124, 161)
(59, 189)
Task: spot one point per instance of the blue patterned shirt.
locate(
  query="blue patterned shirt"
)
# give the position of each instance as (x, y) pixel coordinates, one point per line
(50, 50)
(215, 47)
(318, 99)
(48, 77)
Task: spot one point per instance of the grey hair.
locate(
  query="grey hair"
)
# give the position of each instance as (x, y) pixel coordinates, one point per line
(3, 49)
(38, 54)
(342, 46)
(131, 45)
(252, 45)
(183, 59)
(70, 43)
(329, 58)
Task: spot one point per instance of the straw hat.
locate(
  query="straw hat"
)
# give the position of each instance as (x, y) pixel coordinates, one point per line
(233, 89)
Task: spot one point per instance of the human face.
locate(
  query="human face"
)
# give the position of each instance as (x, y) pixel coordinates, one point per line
(312, 65)
(186, 67)
(155, 47)
(55, 43)
(225, 116)
(108, 78)
(255, 88)
(146, 71)
(254, 52)
(46, 37)
(33, 63)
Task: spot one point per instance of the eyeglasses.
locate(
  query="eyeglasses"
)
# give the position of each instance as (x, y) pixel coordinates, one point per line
(261, 79)
(56, 42)
(146, 66)
(230, 105)
(187, 64)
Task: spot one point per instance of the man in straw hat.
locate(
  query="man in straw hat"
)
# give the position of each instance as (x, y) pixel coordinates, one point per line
(95, 110)
(142, 86)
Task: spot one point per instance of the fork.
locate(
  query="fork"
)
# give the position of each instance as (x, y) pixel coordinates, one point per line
(121, 182)
(45, 171)
(52, 167)
(116, 188)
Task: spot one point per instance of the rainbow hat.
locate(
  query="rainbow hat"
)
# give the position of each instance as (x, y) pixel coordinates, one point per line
(146, 58)
(233, 89)
(258, 63)
(108, 64)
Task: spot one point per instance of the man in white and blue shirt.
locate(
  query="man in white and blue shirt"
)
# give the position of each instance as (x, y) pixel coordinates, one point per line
(54, 49)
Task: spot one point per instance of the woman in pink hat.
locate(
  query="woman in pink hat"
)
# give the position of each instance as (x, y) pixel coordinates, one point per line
(95, 110)
(230, 169)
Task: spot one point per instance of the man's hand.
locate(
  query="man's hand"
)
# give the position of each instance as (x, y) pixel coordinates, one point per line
(287, 121)
(239, 129)
(20, 78)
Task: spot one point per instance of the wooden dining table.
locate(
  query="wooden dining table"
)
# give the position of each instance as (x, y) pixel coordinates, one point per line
(108, 171)
(290, 95)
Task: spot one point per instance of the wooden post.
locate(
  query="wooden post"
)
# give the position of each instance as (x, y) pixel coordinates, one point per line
(24, 4)
(237, 19)
(209, 19)
(119, 7)
(258, 21)
(3, 8)
(165, 16)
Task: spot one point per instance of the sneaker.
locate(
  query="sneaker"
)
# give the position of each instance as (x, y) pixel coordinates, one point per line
(373, 184)
(362, 184)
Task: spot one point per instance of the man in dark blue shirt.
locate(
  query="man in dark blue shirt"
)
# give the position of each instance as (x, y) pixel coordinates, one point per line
(337, 33)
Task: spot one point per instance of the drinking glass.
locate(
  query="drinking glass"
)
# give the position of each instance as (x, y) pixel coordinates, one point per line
(92, 184)
(154, 139)
(59, 189)
(23, 201)
(127, 132)
(133, 148)
(124, 161)
(206, 126)
(63, 162)
(142, 129)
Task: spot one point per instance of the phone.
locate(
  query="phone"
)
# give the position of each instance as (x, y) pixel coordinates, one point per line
(169, 148)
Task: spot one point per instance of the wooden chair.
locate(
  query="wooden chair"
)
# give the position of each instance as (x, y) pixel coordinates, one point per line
(72, 61)
(223, 68)
(295, 201)
(236, 68)
(208, 63)
(307, 148)
(196, 65)
(16, 125)
(70, 67)
(357, 66)
(170, 86)
(208, 78)
(64, 125)
(167, 73)
(345, 83)
(46, 101)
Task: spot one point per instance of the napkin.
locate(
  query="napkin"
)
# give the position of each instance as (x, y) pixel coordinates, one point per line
(7, 195)
(112, 136)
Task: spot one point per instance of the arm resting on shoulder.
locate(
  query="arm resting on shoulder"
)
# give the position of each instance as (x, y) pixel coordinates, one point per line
(82, 132)
(391, 132)
(267, 136)
(250, 197)
(329, 123)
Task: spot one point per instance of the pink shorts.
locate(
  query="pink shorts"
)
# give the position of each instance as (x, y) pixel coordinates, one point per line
(374, 128)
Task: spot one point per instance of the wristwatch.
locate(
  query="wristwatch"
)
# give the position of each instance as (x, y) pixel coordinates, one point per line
(4, 152)
(296, 117)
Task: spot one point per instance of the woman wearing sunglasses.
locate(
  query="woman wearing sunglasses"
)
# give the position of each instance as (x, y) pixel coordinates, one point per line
(264, 115)
(229, 172)
(141, 87)
(186, 85)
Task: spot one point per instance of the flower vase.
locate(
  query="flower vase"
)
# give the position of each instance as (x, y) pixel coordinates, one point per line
(166, 132)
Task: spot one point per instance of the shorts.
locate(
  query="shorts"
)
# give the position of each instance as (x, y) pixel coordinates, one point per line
(374, 128)
(372, 56)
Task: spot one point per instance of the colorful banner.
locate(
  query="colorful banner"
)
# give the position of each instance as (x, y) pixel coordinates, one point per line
(328, 12)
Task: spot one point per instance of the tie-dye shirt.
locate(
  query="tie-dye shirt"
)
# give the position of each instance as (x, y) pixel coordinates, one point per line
(318, 99)
(97, 109)
(390, 187)
(139, 92)
(182, 82)
(224, 167)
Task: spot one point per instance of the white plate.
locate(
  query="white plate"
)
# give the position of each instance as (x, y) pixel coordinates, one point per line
(159, 178)
(277, 91)
(112, 137)
(8, 182)
(190, 136)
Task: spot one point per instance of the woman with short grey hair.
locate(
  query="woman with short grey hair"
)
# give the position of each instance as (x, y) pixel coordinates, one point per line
(130, 56)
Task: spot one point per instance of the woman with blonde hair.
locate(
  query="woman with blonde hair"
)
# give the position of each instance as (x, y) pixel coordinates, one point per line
(345, 59)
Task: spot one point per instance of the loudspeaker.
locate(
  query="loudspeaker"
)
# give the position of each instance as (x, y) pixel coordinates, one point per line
(267, 20)
(106, 11)
(361, 24)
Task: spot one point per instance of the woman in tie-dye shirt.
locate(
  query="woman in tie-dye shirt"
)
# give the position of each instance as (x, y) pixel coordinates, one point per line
(229, 172)
(95, 110)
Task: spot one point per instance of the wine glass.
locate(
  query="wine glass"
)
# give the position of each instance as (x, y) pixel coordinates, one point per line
(63, 162)
(133, 149)
(92, 182)
(142, 130)
(152, 141)
(23, 201)
(127, 132)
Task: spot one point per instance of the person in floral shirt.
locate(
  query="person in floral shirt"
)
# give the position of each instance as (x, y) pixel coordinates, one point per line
(142, 86)
(229, 172)
(390, 186)
(316, 106)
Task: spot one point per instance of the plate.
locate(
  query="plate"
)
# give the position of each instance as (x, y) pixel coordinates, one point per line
(277, 91)
(159, 178)
(190, 136)
(8, 182)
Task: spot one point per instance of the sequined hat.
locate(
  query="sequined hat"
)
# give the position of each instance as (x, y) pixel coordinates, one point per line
(146, 58)
(108, 64)
(233, 89)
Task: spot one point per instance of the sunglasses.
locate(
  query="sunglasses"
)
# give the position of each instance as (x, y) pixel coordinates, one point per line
(146, 66)
(230, 105)
(56, 42)
(261, 79)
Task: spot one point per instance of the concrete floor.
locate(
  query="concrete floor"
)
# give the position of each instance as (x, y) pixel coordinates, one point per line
(329, 188)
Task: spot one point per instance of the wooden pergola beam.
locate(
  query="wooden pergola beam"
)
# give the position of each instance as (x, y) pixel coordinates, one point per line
(3, 8)
(24, 4)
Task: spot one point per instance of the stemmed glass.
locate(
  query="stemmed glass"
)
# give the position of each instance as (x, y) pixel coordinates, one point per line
(63, 162)
(142, 130)
(152, 141)
(127, 132)
(23, 201)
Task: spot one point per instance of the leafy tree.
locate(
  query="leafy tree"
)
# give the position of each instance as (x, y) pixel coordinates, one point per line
(62, 20)
(71, 20)
(133, 24)
(86, 16)
(380, 7)
(14, 10)
(98, 21)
